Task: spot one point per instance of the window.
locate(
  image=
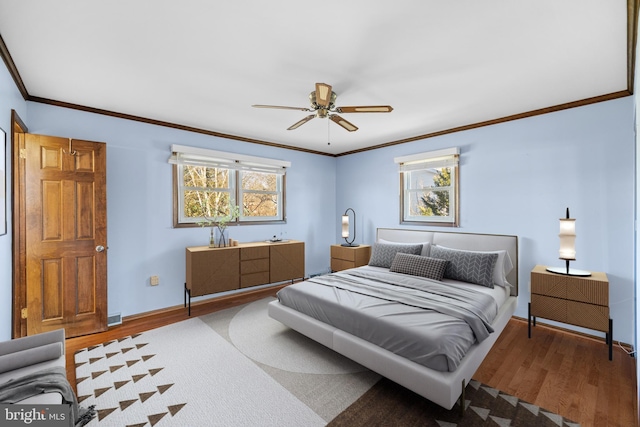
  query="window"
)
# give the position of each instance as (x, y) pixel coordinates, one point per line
(207, 183)
(429, 188)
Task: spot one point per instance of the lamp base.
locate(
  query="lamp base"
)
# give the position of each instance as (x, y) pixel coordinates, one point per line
(350, 245)
(572, 271)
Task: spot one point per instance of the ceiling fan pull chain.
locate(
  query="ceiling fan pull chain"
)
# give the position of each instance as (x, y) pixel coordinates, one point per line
(328, 133)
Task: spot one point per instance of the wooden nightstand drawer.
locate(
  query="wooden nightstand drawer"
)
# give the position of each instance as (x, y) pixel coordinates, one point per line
(549, 307)
(344, 257)
(593, 289)
(340, 264)
(343, 252)
(588, 315)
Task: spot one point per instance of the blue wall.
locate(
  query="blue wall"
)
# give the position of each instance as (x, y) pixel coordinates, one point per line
(141, 239)
(10, 98)
(518, 178)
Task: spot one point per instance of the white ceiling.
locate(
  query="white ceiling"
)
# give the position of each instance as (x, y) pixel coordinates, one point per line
(203, 63)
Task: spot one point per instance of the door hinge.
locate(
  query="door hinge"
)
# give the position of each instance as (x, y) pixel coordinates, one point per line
(23, 313)
(23, 153)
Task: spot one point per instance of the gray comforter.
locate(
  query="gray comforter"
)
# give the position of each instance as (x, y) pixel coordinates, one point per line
(428, 322)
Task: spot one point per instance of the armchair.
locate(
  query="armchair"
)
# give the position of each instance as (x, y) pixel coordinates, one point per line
(23, 356)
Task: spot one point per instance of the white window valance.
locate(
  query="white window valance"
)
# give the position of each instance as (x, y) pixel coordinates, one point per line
(193, 156)
(447, 157)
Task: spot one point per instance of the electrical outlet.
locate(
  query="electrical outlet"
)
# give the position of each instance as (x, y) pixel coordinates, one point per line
(155, 280)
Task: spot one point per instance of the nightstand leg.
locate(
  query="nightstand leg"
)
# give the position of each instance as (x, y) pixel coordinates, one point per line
(187, 296)
(610, 339)
(529, 318)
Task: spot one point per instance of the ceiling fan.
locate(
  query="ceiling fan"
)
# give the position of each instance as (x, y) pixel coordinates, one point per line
(323, 105)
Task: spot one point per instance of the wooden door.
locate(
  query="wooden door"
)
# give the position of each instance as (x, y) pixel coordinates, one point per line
(66, 235)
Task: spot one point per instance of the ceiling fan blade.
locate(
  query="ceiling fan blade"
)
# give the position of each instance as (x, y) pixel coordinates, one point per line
(301, 122)
(280, 107)
(366, 109)
(342, 122)
(323, 94)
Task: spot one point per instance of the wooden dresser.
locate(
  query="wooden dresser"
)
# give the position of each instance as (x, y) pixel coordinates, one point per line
(211, 270)
(576, 300)
(344, 257)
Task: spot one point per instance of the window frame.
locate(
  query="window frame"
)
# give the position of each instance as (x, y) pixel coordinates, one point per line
(236, 165)
(447, 158)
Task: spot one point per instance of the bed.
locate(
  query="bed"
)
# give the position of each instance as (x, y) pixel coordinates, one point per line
(360, 313)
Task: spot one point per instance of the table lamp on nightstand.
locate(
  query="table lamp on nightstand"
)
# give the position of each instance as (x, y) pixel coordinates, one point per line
(568, 248)
(345, 228)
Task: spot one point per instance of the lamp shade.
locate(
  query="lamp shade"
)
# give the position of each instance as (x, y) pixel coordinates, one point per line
(345, 226)
(568, 248)
(567, 238)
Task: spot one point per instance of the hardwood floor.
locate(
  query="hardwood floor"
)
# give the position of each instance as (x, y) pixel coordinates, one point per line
(559, 371)
(565, 373)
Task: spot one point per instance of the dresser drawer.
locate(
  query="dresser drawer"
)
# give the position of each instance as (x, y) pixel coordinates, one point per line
(254, 253)
(254, 279)
(254, 266)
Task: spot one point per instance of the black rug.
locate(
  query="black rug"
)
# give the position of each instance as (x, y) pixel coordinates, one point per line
(388, 404)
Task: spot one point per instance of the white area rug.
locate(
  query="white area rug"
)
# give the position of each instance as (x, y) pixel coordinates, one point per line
(264, 342)
(190, 374)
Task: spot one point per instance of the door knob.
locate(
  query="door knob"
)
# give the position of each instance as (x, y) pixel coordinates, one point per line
(99, 248)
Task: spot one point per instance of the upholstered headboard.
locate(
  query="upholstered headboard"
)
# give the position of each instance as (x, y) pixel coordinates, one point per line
(466, 241)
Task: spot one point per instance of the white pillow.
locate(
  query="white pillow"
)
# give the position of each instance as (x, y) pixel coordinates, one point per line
(425, 245)
(503, 266)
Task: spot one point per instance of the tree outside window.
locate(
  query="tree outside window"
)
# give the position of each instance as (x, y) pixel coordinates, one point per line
(207, 183)
(429, 183)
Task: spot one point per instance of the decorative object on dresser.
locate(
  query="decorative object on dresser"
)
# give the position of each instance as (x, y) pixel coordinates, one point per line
(568, 248)
(219, 237)
(345, 228)
(211, 270)
(577, 300)
(344, 257)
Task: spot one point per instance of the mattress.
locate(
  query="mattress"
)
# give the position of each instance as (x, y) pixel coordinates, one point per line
(428, 322)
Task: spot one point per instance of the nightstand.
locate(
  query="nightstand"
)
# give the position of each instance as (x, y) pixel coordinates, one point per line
(576, 300)
(343, 257)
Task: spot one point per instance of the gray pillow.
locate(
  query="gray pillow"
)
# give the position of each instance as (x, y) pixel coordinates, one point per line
(416, 265)
(467, 266)
(382, 254)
